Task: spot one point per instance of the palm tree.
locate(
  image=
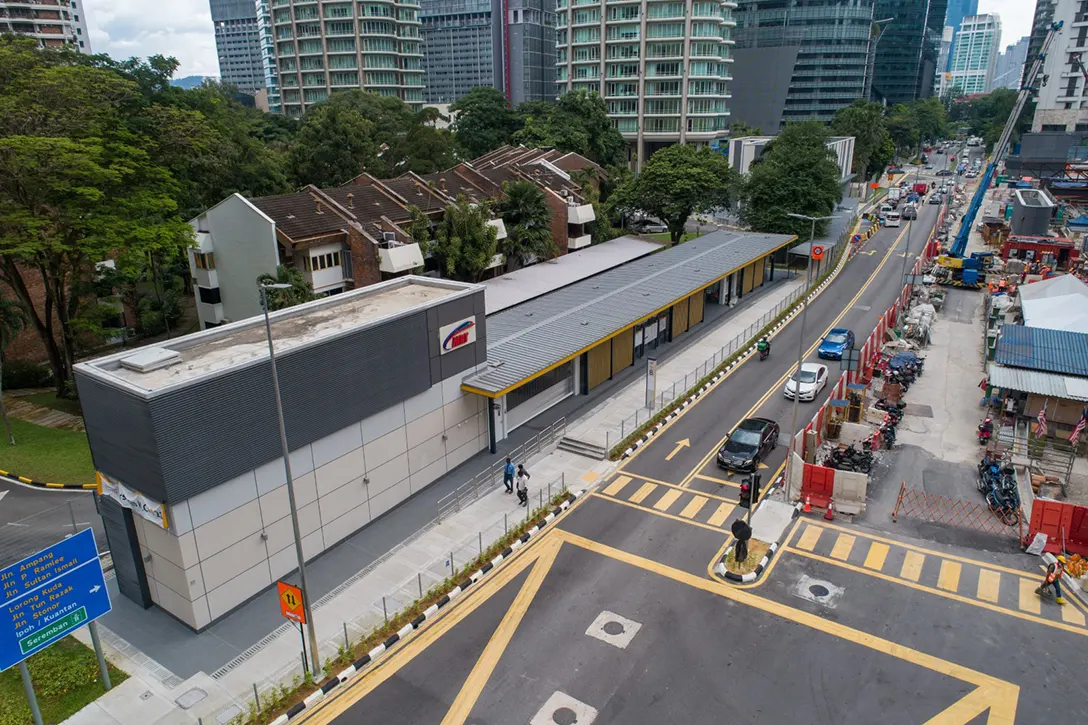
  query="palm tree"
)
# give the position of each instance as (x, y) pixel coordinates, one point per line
(13, 320)
(528, 223)
(300, 291)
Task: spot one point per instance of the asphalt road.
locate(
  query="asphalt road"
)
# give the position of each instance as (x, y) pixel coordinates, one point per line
(31, 519)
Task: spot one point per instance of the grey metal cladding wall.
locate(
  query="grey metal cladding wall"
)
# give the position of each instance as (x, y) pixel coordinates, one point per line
(121, 435)
(220, 428)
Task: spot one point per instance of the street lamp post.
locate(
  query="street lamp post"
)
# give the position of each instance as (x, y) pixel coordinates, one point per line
(800, 347)
(906, 250)
(310, 630)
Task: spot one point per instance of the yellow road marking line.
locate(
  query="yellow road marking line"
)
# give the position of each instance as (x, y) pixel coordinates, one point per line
(967, 709)
(937, 592)
(694, 507)
(590, 476)
(1001, 696)
(810, 537)
(719, 481)
(843, 544)
(489, 658)
(923, 550)
(949, 578)
(681, 489)
(668, 499)
(647, 478)
(1029, 600)
(616, 486)
(989, 584)
(645, 510)
(777, 385)
(1072, 615)
(877, 554)
(642, 493)
(912, 566)
(721, 514)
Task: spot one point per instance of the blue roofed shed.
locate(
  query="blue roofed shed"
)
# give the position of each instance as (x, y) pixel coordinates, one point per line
(1037, 348)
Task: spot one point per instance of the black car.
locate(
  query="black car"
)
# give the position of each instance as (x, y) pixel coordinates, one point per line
(748, 445)
(945, 172)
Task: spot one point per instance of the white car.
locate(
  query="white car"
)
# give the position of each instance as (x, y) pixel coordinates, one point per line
(813, 379)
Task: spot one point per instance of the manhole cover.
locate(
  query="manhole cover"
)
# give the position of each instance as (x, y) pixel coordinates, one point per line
(190, 698)
(564, 716)
(613, 628)
(817, 591)
(562, 709)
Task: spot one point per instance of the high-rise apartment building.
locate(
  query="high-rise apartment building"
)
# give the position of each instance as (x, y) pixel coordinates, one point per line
(1044, 17)
(462, 46)
(529, 58)
(328, 45)
(974, 56)
(944, 56)
(238, 44)
(53, 23)
(661, 66)
(957, 11)
(907, 54)
(1010, 65)
(1062, 104)
(823, 46)
(268, 55)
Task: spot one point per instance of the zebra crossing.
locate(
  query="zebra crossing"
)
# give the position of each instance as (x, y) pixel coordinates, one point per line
(689, 506)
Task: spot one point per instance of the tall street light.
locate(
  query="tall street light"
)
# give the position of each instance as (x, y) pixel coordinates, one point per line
(315, 666)
(801, 346)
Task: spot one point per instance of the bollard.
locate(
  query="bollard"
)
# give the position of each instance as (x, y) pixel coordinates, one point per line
(419, 581)
(384, 612)
(256, 697)
(541, 498)
(505, 526)
(347, 642)
(481, 543)
(453, 567)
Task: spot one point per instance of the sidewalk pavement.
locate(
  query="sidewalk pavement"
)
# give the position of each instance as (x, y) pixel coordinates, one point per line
(153, 697)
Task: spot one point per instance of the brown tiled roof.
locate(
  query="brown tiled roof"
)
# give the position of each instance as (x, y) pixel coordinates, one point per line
(416, 194)
(296, 215)
(368, 203)
(455, 185)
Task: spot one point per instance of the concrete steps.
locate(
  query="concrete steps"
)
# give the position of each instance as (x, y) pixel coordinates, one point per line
(589, 450)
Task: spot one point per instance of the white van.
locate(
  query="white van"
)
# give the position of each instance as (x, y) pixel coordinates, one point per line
(892, 219)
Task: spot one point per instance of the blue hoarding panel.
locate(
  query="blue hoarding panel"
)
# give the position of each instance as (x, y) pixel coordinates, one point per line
(48, 595)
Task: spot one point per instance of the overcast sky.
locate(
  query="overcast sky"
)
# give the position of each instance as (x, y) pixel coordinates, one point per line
(183, 29)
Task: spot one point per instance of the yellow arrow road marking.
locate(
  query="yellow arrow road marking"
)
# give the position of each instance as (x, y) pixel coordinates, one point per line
(680, 444)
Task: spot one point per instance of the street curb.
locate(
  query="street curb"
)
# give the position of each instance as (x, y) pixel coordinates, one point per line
(751, 576)
(430, 613)
(743, 358)
(16, 478)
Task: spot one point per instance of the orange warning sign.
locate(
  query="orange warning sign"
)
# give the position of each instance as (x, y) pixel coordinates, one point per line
(817, 251)
(291, 602)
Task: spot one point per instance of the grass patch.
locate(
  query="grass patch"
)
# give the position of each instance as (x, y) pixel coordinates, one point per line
(756, 551)
(51, 401)
(45, 454)
(279, 699)
(665, 238)
(65, 680)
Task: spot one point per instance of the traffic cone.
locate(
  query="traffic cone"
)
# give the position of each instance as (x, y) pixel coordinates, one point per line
(829, 515)
(808, 504)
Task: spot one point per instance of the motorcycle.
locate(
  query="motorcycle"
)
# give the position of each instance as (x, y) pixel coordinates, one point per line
(764, 354)
(985, 431)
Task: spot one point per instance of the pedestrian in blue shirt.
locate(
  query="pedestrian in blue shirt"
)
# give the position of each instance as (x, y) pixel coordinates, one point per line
(508, 475)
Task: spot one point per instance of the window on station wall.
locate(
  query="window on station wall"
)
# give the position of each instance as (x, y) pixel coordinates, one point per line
(538, 385)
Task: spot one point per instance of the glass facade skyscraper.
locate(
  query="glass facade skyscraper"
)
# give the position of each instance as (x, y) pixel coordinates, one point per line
(462, 46)
(974, 55)
(907, 54)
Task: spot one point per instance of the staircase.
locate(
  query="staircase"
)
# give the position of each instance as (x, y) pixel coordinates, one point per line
(589, 450)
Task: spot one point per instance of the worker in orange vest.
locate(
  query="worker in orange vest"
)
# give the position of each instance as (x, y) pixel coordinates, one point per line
(1053, 578)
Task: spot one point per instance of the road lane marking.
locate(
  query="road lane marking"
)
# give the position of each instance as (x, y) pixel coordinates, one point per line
(912, 566)
(685, 490)
(680, 445)
(590, 476)
(949, 577)
(639, 495)
(668, 499)
(877, 554)
(489, 659)
(1029, 600)
(777, 385)
(843, 545)
(989, 585)
(719, 481)
(616, 486)
(694, 506)
(721, 514)
(662, 514)
(1072, 615)
(810, 537)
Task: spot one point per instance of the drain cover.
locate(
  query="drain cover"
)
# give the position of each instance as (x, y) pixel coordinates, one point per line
(615, 630)
(190, 698)
(818, 591)
(562, 709)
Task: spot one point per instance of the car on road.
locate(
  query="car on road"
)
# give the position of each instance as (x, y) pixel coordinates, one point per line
(885, 210)
(747, 446)
(929, 167)
(910, 211)
(648, 226)
(944, 172)
(935, 198)
(809, 383)
(895, 169)
(836, 343)
(893, 219)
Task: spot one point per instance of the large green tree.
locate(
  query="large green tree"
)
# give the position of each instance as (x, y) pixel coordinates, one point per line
(578, 122)
(334, 145)
(527, 219)
(483, 121)
(464, 243)
(903, 128)
(675, 183)
(797, 174)
(865, 122)
(986, 116)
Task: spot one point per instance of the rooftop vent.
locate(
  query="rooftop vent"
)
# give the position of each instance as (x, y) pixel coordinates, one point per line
(151, 358)
(351, 200)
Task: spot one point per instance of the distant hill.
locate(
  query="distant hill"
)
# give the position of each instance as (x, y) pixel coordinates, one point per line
(189, 81)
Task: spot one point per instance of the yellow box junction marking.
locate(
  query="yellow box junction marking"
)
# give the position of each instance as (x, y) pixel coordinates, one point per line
(809, 538)
(721, 514)
(877, 554)
(843, 544)
(616, 486)
(640, 495)
(1029, 600)
(668, 499)
(694, 506)
(912, 566)
(949, 577)
(989, 585)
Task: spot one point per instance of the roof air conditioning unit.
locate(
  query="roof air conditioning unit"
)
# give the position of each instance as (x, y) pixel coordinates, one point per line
(389, 237)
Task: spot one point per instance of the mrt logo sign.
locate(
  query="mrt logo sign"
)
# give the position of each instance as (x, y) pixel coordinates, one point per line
(457, 335)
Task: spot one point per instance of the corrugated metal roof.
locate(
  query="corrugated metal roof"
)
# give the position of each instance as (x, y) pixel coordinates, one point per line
(1037, 348)
(1039, 383)
(533, 337)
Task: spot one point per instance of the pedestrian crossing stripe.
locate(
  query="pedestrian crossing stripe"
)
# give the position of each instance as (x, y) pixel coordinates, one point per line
(699, 508)
(981, 583)
(640, 495)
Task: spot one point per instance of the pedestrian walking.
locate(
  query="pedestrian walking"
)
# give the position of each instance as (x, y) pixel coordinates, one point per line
(1053, 578)
(523, 486)
(508, 475)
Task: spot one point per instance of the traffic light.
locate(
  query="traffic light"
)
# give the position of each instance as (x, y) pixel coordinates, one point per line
(745, 493)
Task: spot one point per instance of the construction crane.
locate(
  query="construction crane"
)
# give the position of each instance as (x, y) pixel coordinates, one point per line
(1002, 145)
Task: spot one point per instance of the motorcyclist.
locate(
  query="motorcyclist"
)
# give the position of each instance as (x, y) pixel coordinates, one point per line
(764, 347)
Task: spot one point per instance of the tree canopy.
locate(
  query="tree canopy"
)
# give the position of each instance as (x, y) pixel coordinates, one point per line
(676, 182)
(483, 122)
(796, 173)
(464, 243)
(527, 219)
(986, 116)
(865, 122)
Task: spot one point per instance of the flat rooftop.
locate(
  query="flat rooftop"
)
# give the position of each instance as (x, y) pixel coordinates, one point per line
(525, 284)
(154, 368)
(526, 341)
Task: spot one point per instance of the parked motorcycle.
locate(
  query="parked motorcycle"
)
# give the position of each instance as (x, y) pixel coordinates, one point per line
(985, 431)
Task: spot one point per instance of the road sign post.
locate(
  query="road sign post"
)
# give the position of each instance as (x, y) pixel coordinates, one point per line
(291, 607)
